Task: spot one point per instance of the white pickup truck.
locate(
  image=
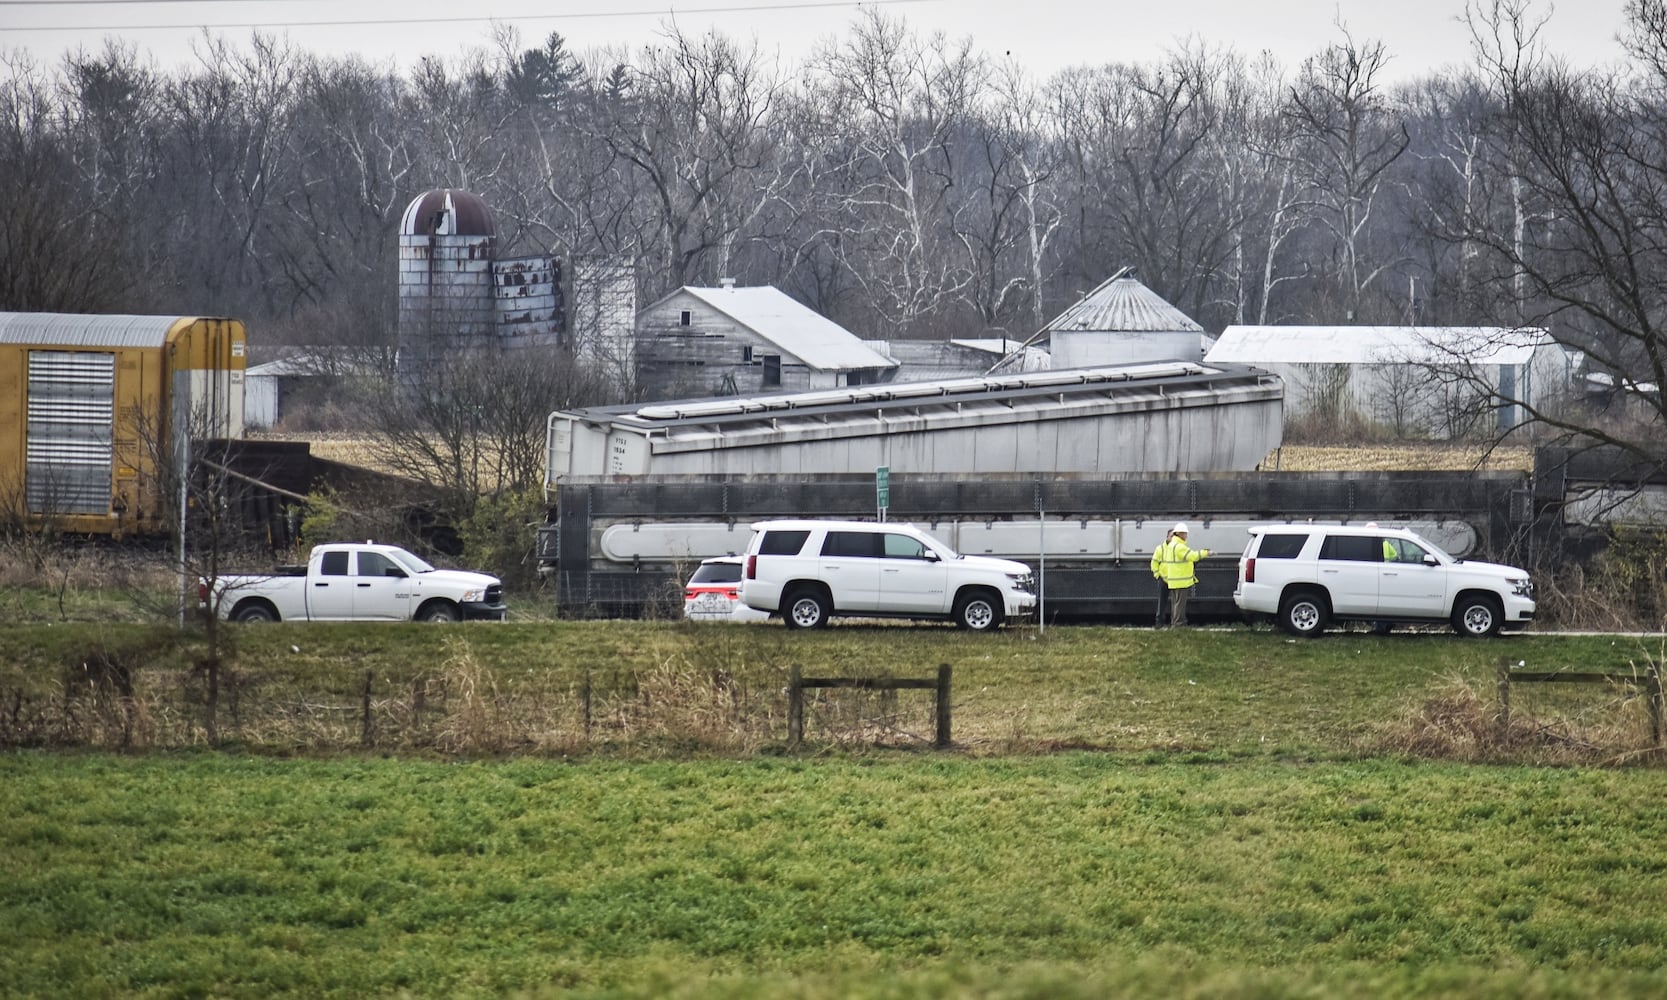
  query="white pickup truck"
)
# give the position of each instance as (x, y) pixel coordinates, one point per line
(357, 582)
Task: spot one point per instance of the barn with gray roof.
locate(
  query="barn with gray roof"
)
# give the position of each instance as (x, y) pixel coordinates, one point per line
(726, 341)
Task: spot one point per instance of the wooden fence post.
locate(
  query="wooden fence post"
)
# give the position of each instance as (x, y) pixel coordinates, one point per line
(943, 706)
(584, 701)
(1504, 699)
(795, 708)
(365, 735)
(1654, 690)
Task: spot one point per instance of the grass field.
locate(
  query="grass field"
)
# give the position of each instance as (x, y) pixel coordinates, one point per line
(1074, 875)
(1125, 813)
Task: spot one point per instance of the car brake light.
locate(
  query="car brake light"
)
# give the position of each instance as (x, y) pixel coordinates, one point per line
(752, 567)
(202, 593)
(1250, 570)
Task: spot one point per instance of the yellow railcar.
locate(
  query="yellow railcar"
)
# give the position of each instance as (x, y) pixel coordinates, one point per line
(92, 408)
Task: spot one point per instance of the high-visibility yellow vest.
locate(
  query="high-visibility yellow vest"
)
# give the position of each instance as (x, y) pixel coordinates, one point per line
(1176, 562)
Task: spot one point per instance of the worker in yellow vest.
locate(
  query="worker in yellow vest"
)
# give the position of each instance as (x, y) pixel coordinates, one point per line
(1163, 584)
(1177, 562)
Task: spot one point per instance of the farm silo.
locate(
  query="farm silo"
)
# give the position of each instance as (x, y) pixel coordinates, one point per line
(446, 301)
(1122, 322)
(87, 403)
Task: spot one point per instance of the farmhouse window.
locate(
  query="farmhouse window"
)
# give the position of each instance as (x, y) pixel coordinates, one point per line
(684, 317)
(772, 370)
(746, 354)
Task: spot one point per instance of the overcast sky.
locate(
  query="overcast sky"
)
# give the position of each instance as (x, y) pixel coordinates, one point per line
(1042, 35)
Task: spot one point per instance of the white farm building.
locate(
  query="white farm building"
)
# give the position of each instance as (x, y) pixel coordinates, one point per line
(1419, 381)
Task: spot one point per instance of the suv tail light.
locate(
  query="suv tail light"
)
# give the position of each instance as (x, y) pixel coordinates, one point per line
(752, 567)
(1250, 570)
(202, 593)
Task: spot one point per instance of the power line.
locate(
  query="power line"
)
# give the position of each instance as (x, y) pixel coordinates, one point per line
(657, 12)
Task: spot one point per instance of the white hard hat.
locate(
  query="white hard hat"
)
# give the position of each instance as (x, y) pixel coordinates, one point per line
(1180, 528)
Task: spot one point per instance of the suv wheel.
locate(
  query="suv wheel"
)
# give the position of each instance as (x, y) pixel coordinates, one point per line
(1303, 613)
(977, 611)
(1477, 615)
(806, 608)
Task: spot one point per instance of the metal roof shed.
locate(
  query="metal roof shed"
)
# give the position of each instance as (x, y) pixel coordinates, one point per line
(1420, 380)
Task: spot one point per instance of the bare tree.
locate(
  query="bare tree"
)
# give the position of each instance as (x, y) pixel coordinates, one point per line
(893, 106)
(1349, 136)
(1577, 240)
(1008, 226)
(56, 253)
(474, 428)
(698, 134)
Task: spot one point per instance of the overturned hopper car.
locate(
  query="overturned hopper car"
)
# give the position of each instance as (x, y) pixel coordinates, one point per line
(619, 546)
(93, 406)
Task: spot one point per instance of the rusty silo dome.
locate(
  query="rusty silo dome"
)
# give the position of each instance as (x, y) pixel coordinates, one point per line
(447, 212)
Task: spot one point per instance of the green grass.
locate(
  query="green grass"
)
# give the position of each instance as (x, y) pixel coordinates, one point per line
(878, 875)
(1125, 813)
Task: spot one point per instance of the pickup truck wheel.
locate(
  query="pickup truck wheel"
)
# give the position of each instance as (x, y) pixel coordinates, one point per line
(1478, 616)
(977, 611)
(254, 613)
(1303, 613)
(440, 612)
(806, 608)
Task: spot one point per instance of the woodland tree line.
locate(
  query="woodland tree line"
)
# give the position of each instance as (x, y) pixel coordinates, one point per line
(906, 186)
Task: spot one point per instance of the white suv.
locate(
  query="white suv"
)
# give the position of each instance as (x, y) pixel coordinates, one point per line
(1308, 574)
(810, 571)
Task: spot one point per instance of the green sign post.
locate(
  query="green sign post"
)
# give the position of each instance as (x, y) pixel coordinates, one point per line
(882, 489)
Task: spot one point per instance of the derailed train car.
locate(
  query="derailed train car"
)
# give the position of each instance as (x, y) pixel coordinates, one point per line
(91, 406)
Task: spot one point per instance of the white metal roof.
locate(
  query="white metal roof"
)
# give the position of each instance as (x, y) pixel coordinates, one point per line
(1368, 345)
(78, 330)
(1122, 305)
(797, 329)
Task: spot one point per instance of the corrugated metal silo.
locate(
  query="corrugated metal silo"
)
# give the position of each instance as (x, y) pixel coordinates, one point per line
(1122, 322)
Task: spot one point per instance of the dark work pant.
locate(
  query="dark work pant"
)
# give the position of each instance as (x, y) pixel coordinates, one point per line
(1163, 604)
(1178, 602)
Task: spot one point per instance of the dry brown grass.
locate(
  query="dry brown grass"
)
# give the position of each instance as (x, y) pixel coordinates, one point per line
(349, 447)
(1398, 457)
(1548, 724)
